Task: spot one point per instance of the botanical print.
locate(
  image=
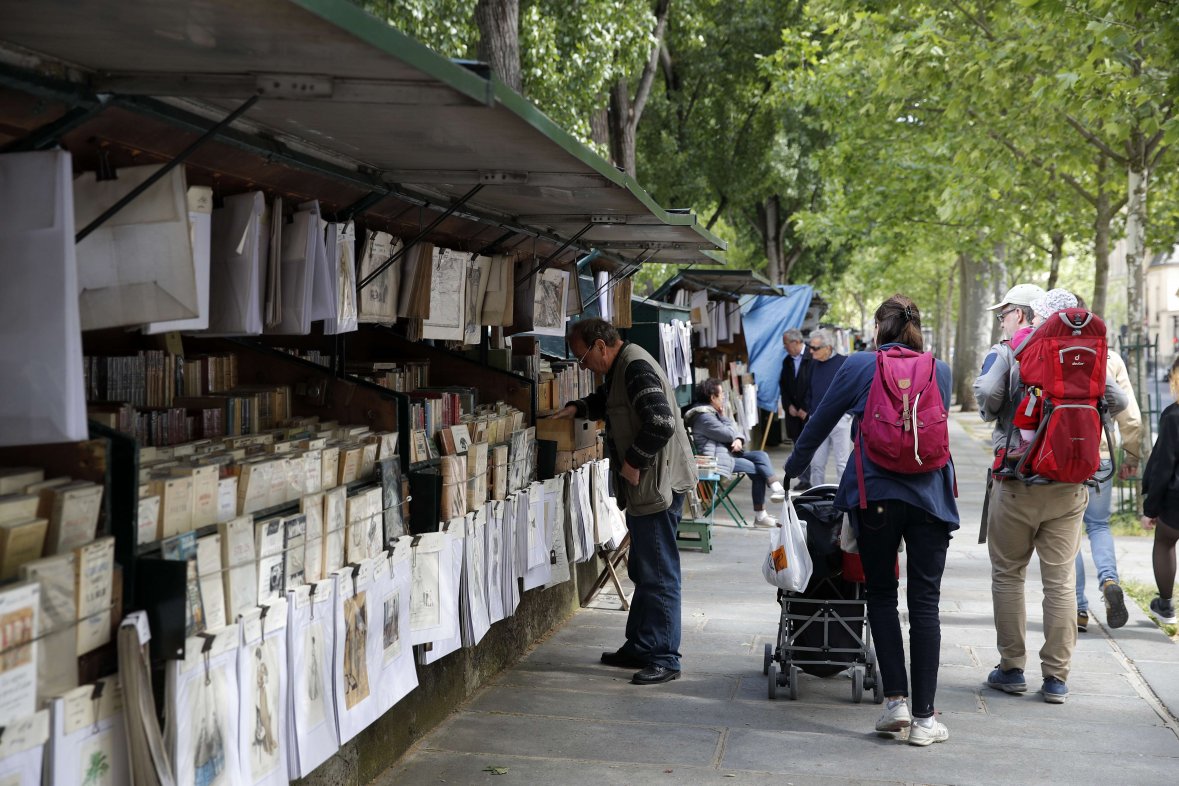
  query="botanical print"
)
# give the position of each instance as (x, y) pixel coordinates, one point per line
(209, 705)
(310, 680)
(264, 681)
(391, 633)
(355, 650)
(96, 761)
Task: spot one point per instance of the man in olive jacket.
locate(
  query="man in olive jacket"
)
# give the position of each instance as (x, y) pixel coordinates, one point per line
(652, 467)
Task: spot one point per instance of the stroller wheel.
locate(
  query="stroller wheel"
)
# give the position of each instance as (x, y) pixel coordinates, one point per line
(794, 672)
(769, 658)
(877, 690)
(772, 671)
(857, 684)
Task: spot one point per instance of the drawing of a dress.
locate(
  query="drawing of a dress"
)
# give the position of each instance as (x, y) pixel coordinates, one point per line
(264, 723)
(209, 761)
(313, 673)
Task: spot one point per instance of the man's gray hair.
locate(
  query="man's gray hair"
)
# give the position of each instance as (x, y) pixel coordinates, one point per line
(824, 336)
(793, 334)
(591, 329)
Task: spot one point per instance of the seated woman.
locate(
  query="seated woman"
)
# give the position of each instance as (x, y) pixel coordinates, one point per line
(716, 435)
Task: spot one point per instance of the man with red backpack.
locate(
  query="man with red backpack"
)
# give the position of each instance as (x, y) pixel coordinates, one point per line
(1038, 505)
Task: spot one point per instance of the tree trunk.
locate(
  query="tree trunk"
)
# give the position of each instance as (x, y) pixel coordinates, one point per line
(625, 112)
(1054, 258)
(499, 39)
(1101, 221)
(771, 234)
(1136, 216)
(945, 313)
(600, 123)
(999, 287)
(969, 332)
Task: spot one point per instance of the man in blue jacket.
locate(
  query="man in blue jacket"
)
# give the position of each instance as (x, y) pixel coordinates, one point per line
(825, 363)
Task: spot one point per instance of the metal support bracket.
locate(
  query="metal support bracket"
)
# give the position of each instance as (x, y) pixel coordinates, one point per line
(554, 255)
(48, 135)
(418, 237)
(131, 195)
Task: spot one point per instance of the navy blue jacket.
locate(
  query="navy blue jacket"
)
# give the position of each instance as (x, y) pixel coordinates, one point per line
(821, 376)
(932, 492)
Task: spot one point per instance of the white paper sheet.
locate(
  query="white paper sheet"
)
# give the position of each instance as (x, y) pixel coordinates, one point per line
(356, 634)
(138, 265)
(557, 521)
(450, 571)
(540, 568)
(239, 248)
(397, 673)
(300, 252)
(434, 602)
(342, 256)
(201, 706)
(263, 697)
(310, 632)
(88, 741)
(448, 286)
(551, 294)
(42, 392)
(22, 750)
(200, 228)
(474, 581)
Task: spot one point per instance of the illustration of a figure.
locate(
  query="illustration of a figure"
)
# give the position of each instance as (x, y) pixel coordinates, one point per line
(264, 720)
(209, 758)
(355, 659)
(313, 671)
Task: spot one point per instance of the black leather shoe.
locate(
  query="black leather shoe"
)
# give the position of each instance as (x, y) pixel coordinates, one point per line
(653, 675)
(623, 660)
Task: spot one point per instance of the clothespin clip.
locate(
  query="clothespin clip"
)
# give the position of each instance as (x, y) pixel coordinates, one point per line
(96, 699)
(208, 645)
(355, 571)
(552, 556)
(265, 611)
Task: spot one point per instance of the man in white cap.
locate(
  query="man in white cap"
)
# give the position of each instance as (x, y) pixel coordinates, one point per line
(1040, 516)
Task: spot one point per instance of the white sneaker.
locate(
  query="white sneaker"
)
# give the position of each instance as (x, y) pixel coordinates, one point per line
(763, 519)
(777, 492)
(922, 735)
(896, 716)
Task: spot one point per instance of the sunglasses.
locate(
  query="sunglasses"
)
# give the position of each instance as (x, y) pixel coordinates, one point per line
(816, 347)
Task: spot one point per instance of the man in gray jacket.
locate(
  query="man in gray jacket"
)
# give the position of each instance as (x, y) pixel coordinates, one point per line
(1040, 516)
(652, 467)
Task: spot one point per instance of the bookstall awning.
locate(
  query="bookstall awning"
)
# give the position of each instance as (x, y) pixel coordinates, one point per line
(342, 96)
(720, 284)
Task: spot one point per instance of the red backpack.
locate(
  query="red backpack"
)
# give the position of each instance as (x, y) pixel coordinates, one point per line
(1063, 361)
(905, 426)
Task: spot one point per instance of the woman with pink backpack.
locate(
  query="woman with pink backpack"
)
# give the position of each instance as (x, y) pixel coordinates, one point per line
(899, 486)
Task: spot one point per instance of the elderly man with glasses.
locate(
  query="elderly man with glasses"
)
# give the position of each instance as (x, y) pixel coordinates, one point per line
(792, 387)
(825, 362)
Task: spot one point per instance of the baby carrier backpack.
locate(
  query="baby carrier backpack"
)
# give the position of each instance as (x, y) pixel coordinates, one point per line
(905, 424)
(1063, 364)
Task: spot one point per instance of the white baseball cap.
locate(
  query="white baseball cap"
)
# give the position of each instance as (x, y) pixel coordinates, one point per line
(1019, 295)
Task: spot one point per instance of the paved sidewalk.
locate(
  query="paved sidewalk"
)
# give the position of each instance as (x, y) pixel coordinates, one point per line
(560, 717)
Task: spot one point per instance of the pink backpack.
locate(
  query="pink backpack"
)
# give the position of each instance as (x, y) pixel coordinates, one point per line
(905, 426)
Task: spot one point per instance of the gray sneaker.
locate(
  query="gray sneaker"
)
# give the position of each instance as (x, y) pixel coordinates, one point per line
(1163, 611)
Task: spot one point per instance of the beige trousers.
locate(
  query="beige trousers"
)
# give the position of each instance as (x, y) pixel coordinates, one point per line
(1045, 519)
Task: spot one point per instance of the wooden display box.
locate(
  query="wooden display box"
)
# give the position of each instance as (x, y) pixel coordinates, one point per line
(546, 393)
(568, 460)
(569, 434)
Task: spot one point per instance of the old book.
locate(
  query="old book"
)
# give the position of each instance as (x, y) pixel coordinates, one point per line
(175, 505)
(208, 566)
(374, 525)
(462, 437)
(368, 460)
(499, 471)
(350, 457)
(357, 530)
(18, 507)
(238, 560)
(330, 467)
(268, 544)
(147, 519)
(20, 609)
(312, 470)
(335, 518)
(454, 487)
(57, 659)
(294, 547)
(204, 493)
(20, 542)
(96, 571)
(72, 511)
(13, 480)
(253, 486)
(226, 498)
(48, 483)
(311, 506)
(476, 475)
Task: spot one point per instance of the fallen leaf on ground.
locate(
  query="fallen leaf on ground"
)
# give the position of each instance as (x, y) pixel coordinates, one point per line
(496, 770)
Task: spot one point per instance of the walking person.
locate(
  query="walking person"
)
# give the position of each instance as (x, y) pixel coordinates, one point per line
(792, 388)
(916, 508)
(1042, 517)
(716, 435)
(652, 467)
(1160, 503)
(825, 364)
(1097, 511)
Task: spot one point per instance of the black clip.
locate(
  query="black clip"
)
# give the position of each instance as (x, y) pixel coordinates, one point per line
(552, 556)
(311, 598)
(2, 733)
(208, 645)
(355, 571)
(265, 611)
(416, 540)
(96, 694)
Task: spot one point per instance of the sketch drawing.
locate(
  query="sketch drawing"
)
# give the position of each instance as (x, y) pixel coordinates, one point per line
(355, 649)
(311, 695)
(209, 743)
(264, 745)
(391, 633)
(425, 612)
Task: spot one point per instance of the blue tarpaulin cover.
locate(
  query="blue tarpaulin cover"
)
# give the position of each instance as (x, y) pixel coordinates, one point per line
(765, 318)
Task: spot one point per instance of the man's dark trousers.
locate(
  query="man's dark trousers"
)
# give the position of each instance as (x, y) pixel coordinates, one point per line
(653, 626)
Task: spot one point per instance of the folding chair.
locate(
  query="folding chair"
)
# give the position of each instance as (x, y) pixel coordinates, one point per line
(714, 493)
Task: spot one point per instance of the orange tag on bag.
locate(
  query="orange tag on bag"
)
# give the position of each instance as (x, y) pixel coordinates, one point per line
(780, 561)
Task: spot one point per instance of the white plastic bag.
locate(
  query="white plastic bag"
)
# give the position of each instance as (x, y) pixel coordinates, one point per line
(788, 564)
(848, 542)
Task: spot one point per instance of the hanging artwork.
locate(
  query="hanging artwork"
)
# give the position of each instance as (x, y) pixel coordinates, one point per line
(357, 647)
(88, 742)
(314, 737)
(392, 661)
(263, 698)
(548, 314)
(22, 750)
(202, 717)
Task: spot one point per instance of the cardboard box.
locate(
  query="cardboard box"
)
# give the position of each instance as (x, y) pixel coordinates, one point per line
(569, 434)
(569, 460)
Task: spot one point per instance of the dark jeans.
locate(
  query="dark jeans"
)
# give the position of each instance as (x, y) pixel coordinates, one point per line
(882, 525)
(653, 626)
(756, 464)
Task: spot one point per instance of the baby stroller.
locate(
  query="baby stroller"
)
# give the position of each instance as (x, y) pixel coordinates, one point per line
(822, 630)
